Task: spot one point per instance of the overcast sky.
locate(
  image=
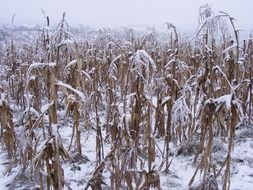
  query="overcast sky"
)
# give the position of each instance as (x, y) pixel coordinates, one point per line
(117, 13)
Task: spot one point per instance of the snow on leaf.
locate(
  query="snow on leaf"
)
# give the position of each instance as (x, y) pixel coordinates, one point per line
(87, 75)
(3, 99)
(229, 48)
(223, 74)
(78, 92)
(128, 44)
(66, 42)
(166, 99)
(43, 111)
(225, 99)
(169, 63)
(70, 64)
(39, 65)
(33, 77)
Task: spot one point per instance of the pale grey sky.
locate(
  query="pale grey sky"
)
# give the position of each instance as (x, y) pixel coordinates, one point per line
(116, 13)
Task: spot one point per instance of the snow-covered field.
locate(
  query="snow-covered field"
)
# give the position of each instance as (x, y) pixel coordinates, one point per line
(108, 109)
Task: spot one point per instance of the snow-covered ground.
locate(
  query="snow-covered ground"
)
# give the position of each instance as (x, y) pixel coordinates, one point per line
(181, 170)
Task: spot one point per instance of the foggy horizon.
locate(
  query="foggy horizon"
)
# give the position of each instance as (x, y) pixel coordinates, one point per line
(119, 13)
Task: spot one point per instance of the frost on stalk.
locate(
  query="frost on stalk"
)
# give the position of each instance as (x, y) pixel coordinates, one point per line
(30, 114)
(61, 33)
(113, 69)
(143, 65)
(205, 12)
(180, 66)
(180, 111)
(209, 22)
(181, 114)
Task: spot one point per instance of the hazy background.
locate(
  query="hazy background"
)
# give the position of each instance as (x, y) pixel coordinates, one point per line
(117, 13)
